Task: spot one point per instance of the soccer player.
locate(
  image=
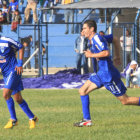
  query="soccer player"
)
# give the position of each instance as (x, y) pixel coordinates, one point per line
(107, 75)
(11, 71)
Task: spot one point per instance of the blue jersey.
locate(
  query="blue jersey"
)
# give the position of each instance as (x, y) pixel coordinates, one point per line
(8, 48)
(109, 38)
(13, 6)
(106, 69)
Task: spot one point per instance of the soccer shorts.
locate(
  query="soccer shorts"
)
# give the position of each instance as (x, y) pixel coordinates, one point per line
(116, 86)
(13, 81)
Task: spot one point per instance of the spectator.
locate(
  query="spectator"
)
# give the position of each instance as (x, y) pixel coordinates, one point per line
(32, 4)
(36, 56)
(16, 20)
(6, 2)
(80, 47)
(101, 33)
(1, 20)
(133, 74)
(127, 47)
(1, 17)
(45, 5)
(12, 7)
(69, 15)
(56, 2)
(41, 2)
(48, 4)
(21, 2)
(80, 11)
(5, 12)
(26, 42)
(0, 3)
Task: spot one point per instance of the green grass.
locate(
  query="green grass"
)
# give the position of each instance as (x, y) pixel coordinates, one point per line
(59, 109)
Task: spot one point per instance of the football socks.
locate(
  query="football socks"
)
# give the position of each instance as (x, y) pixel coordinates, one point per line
(85, 107)
(11, 108)
(26, 109)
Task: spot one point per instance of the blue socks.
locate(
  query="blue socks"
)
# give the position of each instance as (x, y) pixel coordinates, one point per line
(11, 108)
(85, 107)
(26, 109)
(23, 105)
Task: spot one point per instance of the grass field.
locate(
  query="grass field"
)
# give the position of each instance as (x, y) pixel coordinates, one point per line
(59, 109)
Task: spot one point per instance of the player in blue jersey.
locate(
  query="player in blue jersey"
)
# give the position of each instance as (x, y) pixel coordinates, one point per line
(11, 71)
(107, 75)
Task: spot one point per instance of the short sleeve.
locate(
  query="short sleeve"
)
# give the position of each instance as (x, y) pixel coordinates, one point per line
(100, 43)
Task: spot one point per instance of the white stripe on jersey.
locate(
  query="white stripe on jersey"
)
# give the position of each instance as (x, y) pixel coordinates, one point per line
(9, 77)
(3, 44)
(98, 42)
(10, 40)
(98, 47)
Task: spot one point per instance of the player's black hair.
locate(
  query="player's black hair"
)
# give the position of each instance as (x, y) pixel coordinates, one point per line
(102, 32)
(91, 23)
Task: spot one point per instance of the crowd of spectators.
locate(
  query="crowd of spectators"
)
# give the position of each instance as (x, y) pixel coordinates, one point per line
(16, 12)
(10, 13)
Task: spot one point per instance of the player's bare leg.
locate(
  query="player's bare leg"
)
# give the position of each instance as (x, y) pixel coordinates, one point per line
(87, 88)
(126, 100)
(18, 98)
(7, 93)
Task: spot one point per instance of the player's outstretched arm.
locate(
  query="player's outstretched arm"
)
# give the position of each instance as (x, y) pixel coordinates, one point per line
(104, 53)
(19, 68)
(117, 58)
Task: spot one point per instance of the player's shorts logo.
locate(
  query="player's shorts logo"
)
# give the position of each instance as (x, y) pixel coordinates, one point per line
(2, 46)
(2, 49)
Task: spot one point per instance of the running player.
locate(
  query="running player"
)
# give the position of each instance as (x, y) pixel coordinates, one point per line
(107, 75)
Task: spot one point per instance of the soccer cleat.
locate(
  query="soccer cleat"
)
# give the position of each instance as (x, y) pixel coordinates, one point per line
(83, 122)
(11, 123)
(33, 122)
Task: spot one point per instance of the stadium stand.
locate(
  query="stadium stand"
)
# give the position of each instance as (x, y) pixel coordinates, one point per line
(58, 42)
